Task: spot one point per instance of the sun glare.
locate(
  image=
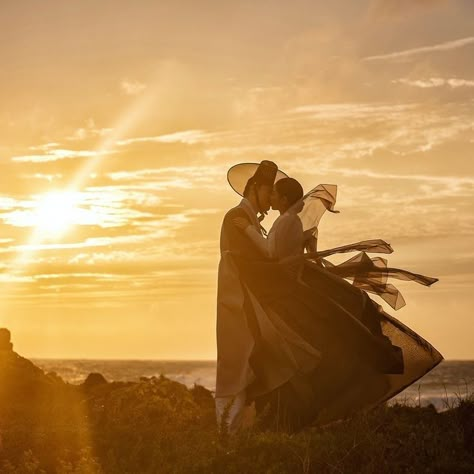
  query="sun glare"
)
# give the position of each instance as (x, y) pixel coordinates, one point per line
(55, 213)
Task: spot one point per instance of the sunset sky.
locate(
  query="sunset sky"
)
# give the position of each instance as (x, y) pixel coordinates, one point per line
(119, 120)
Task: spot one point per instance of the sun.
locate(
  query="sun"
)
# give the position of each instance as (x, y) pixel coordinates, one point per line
(55, 213)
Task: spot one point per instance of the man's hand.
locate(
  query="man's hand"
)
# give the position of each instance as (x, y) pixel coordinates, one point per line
(241, 222)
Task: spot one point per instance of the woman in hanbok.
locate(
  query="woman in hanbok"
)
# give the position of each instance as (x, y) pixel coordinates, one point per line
(332, 349)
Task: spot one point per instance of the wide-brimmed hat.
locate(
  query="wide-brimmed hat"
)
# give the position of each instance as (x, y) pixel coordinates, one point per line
(265, 172)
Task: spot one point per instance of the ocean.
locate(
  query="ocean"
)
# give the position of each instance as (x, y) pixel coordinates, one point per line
(442, 386)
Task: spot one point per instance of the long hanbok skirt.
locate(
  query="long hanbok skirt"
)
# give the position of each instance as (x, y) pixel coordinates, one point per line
(362, 355)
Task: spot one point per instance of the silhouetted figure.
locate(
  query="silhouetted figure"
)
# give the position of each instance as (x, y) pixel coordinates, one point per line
(236, 328)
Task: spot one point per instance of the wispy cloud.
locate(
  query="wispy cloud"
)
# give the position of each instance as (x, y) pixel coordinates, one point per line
(179, 175)
(90, 130)
(139, 185)
(162, 229)
(45, 146)
(60, 154)
(94, 242)
(7, 203)
(186, 136)
(449, 45)
(447, 180)
(396, 7)
(47, 177)
(340, 111)
(317, 134)
(132, 87)
(454, 83)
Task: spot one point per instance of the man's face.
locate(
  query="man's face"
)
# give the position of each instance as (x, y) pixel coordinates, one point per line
(264, 192)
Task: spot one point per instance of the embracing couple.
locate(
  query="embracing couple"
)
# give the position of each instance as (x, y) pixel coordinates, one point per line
(296, 341)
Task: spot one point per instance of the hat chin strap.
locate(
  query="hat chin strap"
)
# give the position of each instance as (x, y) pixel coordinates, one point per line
(261, 216)
(259, 207)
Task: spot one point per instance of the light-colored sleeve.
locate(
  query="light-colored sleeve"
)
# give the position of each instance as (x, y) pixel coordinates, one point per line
(289, 237)
(263, 244)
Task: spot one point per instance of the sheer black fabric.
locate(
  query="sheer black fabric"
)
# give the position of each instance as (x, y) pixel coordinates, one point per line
(366, 273)
(371, 275)
(367, 356)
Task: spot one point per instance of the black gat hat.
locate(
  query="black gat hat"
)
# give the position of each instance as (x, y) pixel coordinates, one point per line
(265, 172)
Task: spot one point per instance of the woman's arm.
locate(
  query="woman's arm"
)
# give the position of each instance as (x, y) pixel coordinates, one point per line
(265, 246)
(259, 240)
(284, 240)
(289, 238)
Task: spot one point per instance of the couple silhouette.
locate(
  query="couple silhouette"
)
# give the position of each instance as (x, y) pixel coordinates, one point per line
(299, 340)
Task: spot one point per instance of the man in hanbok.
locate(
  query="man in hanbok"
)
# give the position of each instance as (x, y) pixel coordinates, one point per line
(236, 329)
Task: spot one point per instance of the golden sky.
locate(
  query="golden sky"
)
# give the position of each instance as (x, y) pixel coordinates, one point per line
(119, 121)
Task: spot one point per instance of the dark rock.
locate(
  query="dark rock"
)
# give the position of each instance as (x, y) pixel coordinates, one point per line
(94, 379)
(5, 344)
(16, 372)
(53, 376)
(202, 396)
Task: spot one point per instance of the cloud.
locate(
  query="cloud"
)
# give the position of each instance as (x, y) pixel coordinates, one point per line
(132, 87)
(396, 7)
(170, 176)
(139, 185)
(453, 181)
(10, 278)
(60, 154)
(450, 45)
(319, 134)
(113, 256)
(45, 147)
(454, 83)
(90, 130)
(351, 110)
(7, 203)
(48, 177)
(94, 242)
(188, 137)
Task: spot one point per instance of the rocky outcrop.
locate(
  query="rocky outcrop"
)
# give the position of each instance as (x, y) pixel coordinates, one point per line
(5, 344)
(94, 379)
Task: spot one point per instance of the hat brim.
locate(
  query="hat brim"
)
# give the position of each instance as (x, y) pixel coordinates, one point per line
(239, 174)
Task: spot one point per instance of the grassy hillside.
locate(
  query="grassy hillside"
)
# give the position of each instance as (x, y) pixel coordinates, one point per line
(159, 426)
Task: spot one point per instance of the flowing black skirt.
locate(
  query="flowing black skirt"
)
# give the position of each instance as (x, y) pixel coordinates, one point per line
(367, 356)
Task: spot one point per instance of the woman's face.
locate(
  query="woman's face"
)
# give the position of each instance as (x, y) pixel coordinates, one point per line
(276, 199)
